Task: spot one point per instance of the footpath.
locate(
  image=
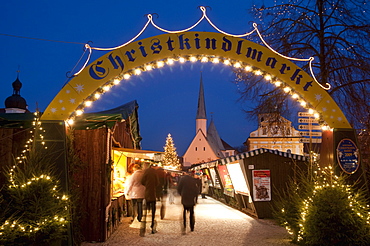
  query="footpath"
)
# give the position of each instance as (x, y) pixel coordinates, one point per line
(215, 224)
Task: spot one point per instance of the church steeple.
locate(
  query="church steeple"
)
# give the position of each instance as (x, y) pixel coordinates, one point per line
(15, 101)
(201, 118)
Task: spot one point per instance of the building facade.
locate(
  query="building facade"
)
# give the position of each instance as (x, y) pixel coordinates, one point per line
(276, 133)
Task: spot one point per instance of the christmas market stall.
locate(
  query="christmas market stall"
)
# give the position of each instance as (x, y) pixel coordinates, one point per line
(251, 181)
(101, 202)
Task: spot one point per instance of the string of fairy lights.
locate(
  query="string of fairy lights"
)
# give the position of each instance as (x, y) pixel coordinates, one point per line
(328, 180)
(192, 58)
(45, 222)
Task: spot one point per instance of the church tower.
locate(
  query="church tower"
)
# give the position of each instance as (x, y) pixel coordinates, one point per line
(16, 103)
(207, 144)
(201, 118)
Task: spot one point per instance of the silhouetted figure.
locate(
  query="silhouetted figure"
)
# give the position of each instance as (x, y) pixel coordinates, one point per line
(188, 189)
(161, 189)
(150, 181)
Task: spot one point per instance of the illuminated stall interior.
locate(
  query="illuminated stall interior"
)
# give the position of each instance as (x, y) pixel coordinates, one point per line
(123, 158)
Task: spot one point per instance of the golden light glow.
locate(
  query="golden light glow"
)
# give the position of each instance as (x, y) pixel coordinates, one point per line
(126, 76)
(137, 71)
(70, 122)
(258, 72)
(216, 60)
(295, 96)
(204, 59)
(248, 68)
(193, 59)
(79, 112)
(268, 77)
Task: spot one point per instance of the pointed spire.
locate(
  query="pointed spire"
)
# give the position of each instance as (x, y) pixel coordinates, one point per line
(201, 113)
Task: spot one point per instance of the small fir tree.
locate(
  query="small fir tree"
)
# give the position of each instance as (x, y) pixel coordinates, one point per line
(36, 210)
(170, 159)
(324, 210)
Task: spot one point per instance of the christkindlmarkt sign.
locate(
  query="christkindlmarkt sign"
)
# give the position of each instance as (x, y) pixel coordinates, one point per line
(151, 53)
(133, 58)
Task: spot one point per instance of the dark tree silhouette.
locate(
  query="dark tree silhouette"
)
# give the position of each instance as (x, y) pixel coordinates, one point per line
(336, 33)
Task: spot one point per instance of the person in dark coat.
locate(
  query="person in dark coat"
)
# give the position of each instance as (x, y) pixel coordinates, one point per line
(150, 181)
(161, 189)
(188, 189)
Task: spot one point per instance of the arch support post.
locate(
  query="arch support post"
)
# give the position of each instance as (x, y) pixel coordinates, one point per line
(340, 149)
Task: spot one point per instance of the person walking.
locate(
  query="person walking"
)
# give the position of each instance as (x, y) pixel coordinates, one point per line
(188, 189)
(172, 187)
(129, 206)
(161, 189)
(136, 192)
(205, 185)
(150, 181)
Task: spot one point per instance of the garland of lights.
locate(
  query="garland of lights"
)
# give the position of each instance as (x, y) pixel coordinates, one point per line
(204, 16)
(169, 61)
(38, 225)
(328, 180)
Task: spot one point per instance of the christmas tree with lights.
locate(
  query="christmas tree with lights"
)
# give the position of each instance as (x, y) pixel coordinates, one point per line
(34, 210)
(325, 210)
(170, 158)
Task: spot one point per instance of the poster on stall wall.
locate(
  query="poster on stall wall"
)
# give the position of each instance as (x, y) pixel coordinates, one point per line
(261, 185)
(215, 180)
(206, 172)
(226, 180)
(237, 178)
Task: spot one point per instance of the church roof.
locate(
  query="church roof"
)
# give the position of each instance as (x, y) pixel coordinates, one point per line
(201, 112)
(214, 140)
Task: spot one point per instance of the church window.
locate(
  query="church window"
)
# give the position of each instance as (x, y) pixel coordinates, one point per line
(204, 148)
(196, 148)
(264, 131)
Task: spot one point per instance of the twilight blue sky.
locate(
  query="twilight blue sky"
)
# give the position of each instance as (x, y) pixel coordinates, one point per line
(167, 97)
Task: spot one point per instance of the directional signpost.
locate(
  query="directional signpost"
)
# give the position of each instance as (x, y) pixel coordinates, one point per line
(310, 130)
